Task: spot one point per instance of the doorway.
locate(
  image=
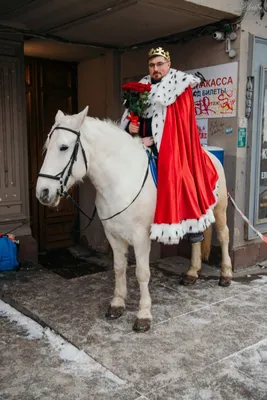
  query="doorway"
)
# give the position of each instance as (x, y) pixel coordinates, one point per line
(50, 86)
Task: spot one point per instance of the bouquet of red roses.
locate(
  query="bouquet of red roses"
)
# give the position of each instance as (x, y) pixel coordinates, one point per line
(135, 95)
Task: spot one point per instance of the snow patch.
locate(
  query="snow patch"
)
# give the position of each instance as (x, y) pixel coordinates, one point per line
(75, 361)
(263, 279)
(34, 330)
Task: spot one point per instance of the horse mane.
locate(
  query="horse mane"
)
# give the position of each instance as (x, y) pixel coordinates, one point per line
(114, 130)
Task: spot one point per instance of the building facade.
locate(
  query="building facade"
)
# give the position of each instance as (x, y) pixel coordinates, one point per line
(235, 69)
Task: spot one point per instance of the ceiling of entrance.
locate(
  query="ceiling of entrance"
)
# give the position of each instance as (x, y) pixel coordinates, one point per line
(105, 24)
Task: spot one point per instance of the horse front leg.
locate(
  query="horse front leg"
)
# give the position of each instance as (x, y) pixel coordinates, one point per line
(120, 250)
(142, 247)
(195, 265)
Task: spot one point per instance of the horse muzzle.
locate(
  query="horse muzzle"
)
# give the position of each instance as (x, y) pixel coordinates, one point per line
(47, 198)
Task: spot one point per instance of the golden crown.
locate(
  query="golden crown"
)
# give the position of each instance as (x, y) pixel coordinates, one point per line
(159, 51)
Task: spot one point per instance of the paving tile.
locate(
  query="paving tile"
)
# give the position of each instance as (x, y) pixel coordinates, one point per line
(220, 382)
(251, 305)
(252, 362)
(242, 376)
(177, 347)
(193, 328)
(207, 290)
(33, 370)
(76, 308)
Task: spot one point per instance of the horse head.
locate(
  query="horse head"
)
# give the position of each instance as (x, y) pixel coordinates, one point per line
(65, 161)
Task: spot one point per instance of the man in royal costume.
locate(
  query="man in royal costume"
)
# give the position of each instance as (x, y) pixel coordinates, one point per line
(187, 179)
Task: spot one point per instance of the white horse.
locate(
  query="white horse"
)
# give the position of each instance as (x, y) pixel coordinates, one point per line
(116, 164)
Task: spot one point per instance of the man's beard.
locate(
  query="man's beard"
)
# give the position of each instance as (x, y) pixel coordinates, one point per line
(153, 80)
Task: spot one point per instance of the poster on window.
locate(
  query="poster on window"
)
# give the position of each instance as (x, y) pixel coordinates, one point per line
(202, 125)
(216, 96)
(262, 211)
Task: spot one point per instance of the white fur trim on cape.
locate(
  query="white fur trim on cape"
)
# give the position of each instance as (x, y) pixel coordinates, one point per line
(173, 233)
(162, 95)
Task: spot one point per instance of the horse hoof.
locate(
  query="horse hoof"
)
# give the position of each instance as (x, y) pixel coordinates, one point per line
(188, 280)
(224, 282)
(141, 325)
(114, 312)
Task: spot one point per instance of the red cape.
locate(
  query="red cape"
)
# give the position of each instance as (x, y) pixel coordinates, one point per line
(187, 178)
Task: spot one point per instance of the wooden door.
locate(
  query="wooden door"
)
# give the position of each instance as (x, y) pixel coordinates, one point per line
(50, 86)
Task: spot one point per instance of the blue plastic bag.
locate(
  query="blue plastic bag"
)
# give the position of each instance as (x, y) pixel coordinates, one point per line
(8, 253)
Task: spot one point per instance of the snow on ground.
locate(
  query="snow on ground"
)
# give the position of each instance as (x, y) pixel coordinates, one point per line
(75, 360)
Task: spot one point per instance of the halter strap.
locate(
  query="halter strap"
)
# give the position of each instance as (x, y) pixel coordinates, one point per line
(72, 160)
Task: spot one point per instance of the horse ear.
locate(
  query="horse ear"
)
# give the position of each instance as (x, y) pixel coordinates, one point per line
(59, 116)
(81, 117)
(85, 111)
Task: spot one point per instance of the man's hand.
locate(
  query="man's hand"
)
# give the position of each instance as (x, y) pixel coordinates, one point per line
(148, 141)
(133, 129)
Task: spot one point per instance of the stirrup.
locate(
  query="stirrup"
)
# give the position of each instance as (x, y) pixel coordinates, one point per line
(195, 237)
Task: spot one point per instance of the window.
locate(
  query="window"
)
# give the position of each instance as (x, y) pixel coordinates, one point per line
(261, 213)
(257, 146)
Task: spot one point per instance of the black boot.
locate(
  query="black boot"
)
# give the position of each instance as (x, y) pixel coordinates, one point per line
(195, 237)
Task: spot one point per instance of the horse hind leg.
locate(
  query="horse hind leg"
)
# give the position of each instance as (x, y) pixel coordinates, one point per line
(203, 250)
(195, 266)
(200, 251)
(223, 238)
(120, 250)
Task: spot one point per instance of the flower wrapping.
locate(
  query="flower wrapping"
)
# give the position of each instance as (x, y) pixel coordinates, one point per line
(135, 99)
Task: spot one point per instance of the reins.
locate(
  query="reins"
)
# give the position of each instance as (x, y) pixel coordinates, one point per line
(63, 181)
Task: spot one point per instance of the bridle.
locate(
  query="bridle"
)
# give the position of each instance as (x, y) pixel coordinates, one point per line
(73, 159)
(69, 166)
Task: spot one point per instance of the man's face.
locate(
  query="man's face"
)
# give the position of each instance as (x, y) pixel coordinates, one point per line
(158, 67)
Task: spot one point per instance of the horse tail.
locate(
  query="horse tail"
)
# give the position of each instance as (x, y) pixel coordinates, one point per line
(206, 244)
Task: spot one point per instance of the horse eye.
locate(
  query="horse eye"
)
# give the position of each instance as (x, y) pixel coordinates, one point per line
(63, 147)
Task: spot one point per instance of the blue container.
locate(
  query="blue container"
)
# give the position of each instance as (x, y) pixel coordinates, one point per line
(217, 151)
(8, 254)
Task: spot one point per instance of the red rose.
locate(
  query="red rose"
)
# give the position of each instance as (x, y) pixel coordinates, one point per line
(137, 87)
(137, 103)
